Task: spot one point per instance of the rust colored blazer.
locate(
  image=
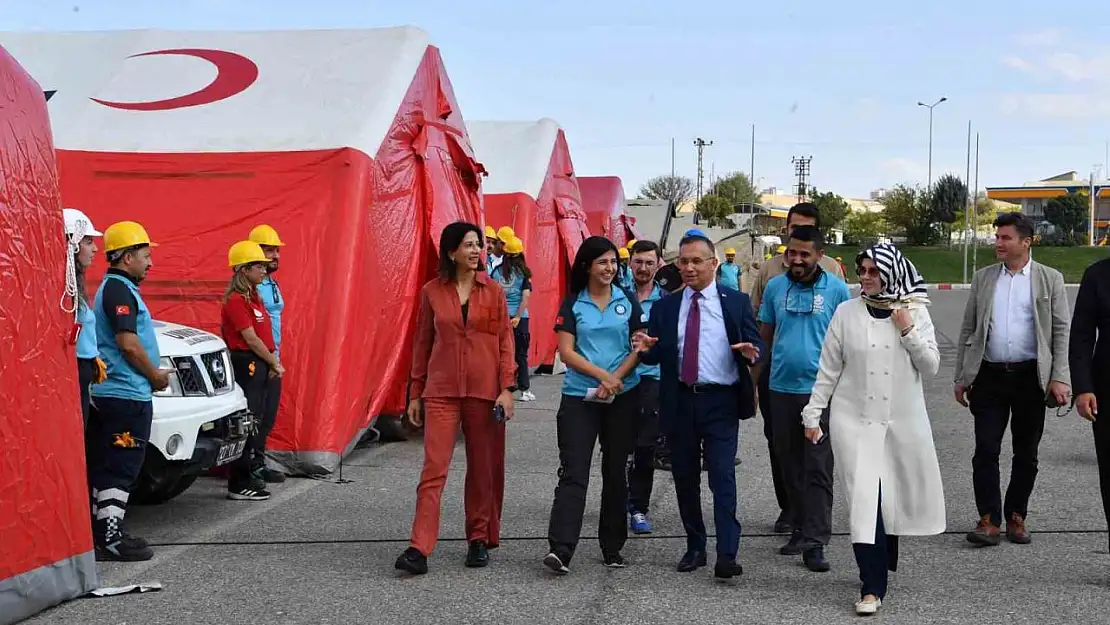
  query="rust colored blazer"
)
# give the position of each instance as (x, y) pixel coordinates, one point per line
(453, 360)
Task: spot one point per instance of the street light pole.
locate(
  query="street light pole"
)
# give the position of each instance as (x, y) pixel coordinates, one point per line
(931, 107)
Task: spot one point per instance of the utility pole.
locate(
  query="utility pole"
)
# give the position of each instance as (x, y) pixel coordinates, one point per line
(751, 168)
(1091, 219)
(975, 214)
(701, 145)
(969, 206)
(931, 107)
(801, 172)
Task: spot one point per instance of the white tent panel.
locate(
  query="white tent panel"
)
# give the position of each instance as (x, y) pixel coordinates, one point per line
(516, 154)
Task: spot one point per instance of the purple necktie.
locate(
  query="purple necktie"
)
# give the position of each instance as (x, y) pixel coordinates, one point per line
(690, 347)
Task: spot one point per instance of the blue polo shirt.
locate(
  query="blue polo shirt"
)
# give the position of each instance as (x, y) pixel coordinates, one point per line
(729, 275)
(801, 315)
(657, 293)
(270, 294)
(603, 337)
(86, 339)
(627, 282)
(514, 286)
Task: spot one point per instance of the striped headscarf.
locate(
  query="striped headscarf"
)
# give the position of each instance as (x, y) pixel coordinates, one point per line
(903, 286)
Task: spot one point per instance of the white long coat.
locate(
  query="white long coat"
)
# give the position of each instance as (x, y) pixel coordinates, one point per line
(878, 423)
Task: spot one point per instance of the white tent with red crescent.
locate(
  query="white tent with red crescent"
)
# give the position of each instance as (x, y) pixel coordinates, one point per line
(349, 142)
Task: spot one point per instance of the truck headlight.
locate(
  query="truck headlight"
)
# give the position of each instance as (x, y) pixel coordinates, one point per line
(174, 389)
(173, 444)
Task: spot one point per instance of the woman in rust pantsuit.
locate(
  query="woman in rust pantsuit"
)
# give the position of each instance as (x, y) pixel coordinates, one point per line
(462, 367)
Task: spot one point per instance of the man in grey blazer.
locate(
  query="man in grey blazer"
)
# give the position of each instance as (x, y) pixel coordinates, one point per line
(1012, 361)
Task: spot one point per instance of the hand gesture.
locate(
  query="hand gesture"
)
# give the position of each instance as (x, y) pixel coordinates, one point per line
(515, 321)
(1060, 392)
(277, 370)
(961, 394)
(641, 342)
(415, 412)
(505, 400)
(610, 385)
(902, 318)
(748, 350)
(161, 380)
(1087, 406)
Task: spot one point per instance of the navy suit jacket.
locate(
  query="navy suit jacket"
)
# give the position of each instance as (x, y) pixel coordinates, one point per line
(741, 328)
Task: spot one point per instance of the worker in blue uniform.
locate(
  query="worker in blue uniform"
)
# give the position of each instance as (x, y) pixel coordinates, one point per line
(267, 238)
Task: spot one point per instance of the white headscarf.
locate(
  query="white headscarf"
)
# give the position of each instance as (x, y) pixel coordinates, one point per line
(903, 286)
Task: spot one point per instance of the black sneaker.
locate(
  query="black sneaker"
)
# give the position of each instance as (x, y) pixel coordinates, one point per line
(815, 560)
(112, 545)
(794, 546)
(555, 563)
(252, 492)
(412, 561)
(615, 561)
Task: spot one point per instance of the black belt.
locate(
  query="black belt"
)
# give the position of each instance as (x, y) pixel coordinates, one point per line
(1010, 367)
(701, 389)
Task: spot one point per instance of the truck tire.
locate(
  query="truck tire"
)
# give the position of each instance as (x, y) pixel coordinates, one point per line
(149, 494)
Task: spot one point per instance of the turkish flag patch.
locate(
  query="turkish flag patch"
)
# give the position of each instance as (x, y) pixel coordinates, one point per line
(123, 310)
(559, 320)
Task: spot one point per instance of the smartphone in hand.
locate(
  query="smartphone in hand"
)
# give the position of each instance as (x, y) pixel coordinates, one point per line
(498, 413)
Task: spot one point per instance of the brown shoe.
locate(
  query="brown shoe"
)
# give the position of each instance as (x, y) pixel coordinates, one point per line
(986, 534)
(1015, 530)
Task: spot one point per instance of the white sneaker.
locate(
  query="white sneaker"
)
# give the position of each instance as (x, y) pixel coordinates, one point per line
(527, 396)
(868, 607)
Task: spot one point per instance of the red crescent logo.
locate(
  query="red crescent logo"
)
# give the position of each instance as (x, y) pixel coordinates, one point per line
(234, 73)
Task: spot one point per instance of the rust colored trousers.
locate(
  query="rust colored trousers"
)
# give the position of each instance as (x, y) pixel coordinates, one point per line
(485, 470)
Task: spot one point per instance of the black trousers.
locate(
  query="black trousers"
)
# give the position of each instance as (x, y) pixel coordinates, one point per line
(522, 339)
(1101, 429)
(875, 561)
(807, 469)
(262, 392)
(781, 494)
(115, 446)
(641, 464)
(86, 369)
(998, 397)
(580, 425)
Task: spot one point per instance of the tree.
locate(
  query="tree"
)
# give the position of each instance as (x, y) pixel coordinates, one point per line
(906, 210)
(832, 207)
(985, 212)
(863, 228)
(1069, 214)
(715, 209)
(736, 188)
(948, 197)
(677, 189)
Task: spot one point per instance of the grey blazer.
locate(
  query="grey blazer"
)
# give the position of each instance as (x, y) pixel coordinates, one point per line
(1050, 315)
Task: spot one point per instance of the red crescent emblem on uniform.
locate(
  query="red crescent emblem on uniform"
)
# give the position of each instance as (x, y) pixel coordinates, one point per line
(234, 74)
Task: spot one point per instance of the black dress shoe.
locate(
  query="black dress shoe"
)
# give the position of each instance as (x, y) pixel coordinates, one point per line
(692, 561)
(815, 560)
(794, 546)
(412, 561)
(783, 524)
(727, 569)
(477, 555)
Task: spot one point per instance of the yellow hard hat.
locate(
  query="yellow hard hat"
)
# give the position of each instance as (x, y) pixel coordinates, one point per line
(623, 253)
(514, 246)
(505, 234)
(781, 249)
(491, 233)
(245, 252)
(730, 252)
(265, 235)
(124, 234)
(839, 259)
(631, 243)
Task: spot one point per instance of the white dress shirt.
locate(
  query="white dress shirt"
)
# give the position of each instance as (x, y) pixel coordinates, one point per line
(1012, 336)
(715, 362)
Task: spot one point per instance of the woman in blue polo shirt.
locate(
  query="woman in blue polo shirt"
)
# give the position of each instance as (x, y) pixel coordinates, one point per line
(595, 326)
(515, 279)
(79, 234)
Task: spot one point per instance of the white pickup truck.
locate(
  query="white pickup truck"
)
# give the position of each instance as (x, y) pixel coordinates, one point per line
(201, 421)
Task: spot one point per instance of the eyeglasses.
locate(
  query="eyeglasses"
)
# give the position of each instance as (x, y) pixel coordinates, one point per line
(697, 262)
(800, 300)
(868, 271)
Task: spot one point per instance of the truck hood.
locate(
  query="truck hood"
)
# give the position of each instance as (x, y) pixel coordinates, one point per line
(179, 340)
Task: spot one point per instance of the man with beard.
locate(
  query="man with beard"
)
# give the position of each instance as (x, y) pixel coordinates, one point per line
(267, 238)
(795, 314)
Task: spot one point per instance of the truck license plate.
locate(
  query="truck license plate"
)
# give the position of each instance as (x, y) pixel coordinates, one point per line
(230, 451)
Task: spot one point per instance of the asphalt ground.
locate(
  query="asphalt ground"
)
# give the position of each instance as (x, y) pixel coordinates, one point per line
(322, 552)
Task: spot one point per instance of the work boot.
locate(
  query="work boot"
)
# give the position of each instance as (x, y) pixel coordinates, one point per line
(986, 534)
(1015, 530)
(112, 545)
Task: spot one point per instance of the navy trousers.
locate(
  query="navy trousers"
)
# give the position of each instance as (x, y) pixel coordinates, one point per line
(707, 420)
(115, 446)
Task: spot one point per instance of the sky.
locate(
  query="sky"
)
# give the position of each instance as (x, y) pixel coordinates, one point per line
(836, 81)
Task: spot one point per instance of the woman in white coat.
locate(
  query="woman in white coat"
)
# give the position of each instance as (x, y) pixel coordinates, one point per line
(877, 349)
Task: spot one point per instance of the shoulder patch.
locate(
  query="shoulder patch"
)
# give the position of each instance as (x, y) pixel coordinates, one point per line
(620, 309)
(123, 310)
(559, 320)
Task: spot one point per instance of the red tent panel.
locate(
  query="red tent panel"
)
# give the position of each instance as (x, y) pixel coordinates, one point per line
(45, 532)
(604, 202)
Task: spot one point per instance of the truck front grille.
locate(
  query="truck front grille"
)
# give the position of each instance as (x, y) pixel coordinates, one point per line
(219, 370)
(192, 382)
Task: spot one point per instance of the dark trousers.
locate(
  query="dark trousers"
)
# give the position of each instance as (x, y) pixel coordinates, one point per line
(263, 393)
(115, 446)
(641, 464)
(876, 560)
(781, 494)
(1101, 429)
(580, 424)
(999, 397)
(806, 468)
(522, 339)
(86, 369)
(708, 420)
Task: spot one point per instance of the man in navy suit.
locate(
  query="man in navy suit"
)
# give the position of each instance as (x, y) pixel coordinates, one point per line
(704, 338)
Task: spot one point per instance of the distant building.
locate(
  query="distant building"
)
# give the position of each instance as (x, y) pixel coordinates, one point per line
(1032, 196)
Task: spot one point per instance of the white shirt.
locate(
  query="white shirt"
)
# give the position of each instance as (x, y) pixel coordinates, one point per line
(715, 362)
(1012, 335)
(494, 262)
